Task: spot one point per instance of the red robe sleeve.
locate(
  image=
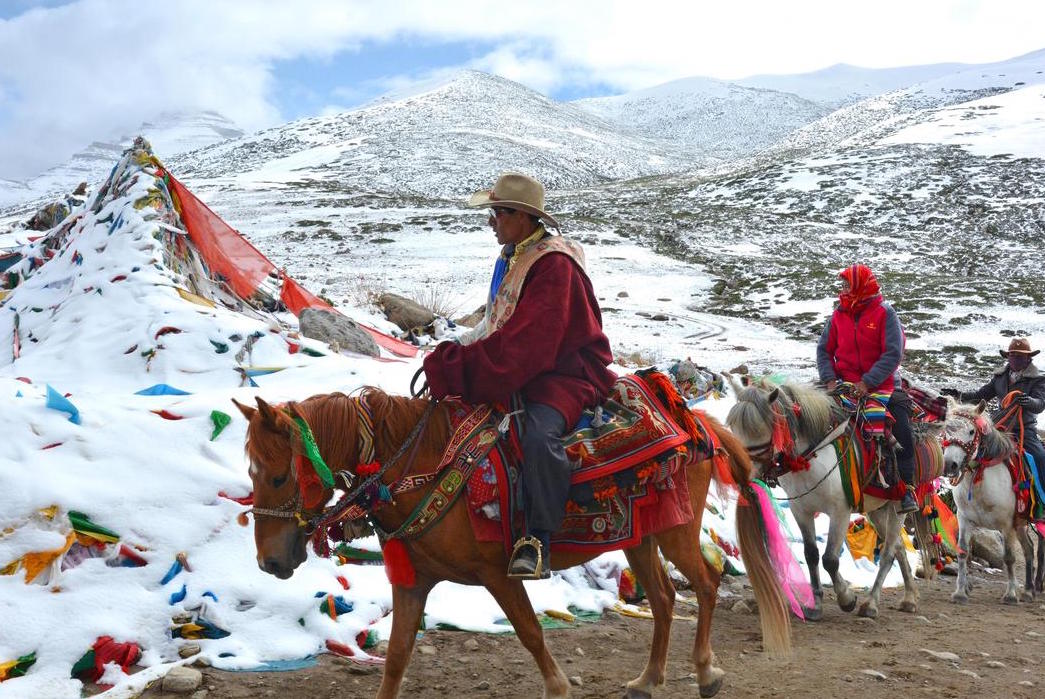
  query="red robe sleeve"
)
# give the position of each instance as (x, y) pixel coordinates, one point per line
(553, 310)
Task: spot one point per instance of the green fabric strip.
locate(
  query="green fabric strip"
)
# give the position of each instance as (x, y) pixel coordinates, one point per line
(312, 451)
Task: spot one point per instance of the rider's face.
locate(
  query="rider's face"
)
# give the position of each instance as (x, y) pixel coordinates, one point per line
(511, 225)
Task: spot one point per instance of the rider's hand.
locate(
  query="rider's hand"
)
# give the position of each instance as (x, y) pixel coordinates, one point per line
(831, 385)
(952, 392)
(1029, 402)
(860, 389)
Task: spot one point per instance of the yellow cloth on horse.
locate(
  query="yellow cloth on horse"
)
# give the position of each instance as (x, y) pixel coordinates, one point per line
(862, 539)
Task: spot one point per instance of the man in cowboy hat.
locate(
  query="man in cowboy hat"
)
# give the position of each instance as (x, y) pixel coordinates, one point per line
(541, 336)
(1018, 373)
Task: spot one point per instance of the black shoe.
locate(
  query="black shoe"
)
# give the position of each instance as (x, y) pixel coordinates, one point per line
(528, 561)
(908, 503)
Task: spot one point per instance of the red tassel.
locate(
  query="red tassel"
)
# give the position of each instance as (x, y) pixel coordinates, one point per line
(782, 442)
(309, 484)
(397, 563)
(369, 469)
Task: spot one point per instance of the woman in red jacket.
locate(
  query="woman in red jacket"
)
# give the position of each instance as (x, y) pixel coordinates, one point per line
(863, 345)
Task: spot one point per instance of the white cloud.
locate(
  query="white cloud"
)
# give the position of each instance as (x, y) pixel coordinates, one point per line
(75, 73)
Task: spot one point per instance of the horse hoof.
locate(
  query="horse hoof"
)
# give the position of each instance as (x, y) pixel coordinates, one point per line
(867, 611)
(1027, 596)
(636, 694)
(711, 689)
(958, 598)
(909, 607)
(1009, 599)
(812, 613)
(847, 606)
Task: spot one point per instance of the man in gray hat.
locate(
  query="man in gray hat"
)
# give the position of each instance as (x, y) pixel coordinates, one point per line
(541, 336)
(1018, 373)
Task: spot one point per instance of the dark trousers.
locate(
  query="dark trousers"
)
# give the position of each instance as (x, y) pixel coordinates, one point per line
(900, 408)
(545, 469)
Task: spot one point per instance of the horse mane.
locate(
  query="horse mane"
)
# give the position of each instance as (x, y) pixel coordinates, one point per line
(753, 415)
(334, 421)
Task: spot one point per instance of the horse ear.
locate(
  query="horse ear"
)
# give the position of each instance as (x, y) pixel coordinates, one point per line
(273, 418)
(733, 383)
(773, 395)
(980, 406)
(248, 412)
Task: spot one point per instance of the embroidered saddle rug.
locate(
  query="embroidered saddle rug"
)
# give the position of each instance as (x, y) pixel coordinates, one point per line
(625, 485)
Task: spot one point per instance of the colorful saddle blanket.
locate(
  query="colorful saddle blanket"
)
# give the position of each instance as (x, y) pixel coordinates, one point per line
(626, 455)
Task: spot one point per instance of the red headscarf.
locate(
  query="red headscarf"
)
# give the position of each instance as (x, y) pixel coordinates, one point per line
(862, 287)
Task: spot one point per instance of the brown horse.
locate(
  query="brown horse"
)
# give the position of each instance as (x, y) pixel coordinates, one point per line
(448, 550)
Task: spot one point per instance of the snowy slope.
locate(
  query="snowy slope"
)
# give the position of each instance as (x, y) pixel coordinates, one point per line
(709, 117)
(456, 135)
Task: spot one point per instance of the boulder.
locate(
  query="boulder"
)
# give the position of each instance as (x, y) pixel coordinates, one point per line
(338, 331)
(987, 544)
(404, 312)
(182, 680)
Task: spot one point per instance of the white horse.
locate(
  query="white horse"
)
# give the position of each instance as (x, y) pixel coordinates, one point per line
(815, 425)
(975, 455)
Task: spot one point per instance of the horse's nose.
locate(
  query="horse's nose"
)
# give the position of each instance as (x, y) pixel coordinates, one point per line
(275, 567)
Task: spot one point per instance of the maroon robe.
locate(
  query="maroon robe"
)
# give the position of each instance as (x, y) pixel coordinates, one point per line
(551, 349)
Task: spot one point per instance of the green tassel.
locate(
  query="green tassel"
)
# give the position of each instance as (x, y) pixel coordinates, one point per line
(312, 451)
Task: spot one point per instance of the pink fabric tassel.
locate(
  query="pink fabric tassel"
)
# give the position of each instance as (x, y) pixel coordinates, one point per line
(788, 572)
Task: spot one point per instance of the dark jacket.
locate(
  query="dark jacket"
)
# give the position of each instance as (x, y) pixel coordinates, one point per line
(1031, 382)
(551, 349)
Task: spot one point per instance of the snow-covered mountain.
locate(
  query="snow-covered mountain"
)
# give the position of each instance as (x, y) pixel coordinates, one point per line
(710, 118)
(843, 84)
(454, 136)
(170, 133)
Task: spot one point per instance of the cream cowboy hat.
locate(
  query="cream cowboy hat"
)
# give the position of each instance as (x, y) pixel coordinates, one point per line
(515, 191)
(1019, 345)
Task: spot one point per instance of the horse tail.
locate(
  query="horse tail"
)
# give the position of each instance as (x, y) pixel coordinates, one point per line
(930, 552)
(755, 525)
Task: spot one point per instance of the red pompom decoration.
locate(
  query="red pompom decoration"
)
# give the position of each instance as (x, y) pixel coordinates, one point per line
(398, 568)
(368, 469)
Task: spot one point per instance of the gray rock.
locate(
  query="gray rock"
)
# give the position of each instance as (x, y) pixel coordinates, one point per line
(199, 694)
(406, 313)
(579, 651)
(970, 673)
(576, 681)
(623, 294)
(426, 650)
(1025, 683)
(381, 648)
(941, 655)
(483, 685)
(741, 607)
(189, 650)
(875, 674)
(995, 663)
(201, 661)
(471, 644)
(338, 331)
(987, 544)
(182, 680)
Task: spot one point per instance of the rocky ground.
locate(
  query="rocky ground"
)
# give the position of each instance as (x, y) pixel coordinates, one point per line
(983, 649)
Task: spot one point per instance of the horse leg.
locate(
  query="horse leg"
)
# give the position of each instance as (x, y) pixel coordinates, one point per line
(408, 604)
(832, 552)
(961, 587)
(812, 554)
(511, 596)
(910, 589)
(1039, 576)
(645, 564)
(887, 524)
(681, 546)
(1023, 535)
(1010, 567)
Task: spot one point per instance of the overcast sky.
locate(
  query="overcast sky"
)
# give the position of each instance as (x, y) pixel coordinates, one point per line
(74, 72)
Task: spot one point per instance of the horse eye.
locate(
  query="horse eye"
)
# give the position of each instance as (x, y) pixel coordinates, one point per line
(278, 481)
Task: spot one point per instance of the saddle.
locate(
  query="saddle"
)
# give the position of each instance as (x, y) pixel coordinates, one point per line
(626, 454)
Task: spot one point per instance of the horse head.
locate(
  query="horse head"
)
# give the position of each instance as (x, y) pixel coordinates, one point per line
(765, 414)
(280, 518)
(972, 439)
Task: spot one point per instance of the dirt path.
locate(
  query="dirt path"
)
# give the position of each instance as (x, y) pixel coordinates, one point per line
(1001, 648)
